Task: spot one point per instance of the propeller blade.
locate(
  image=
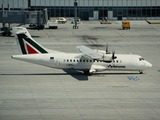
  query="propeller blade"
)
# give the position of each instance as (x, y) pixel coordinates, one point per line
(107, 52)
(107, 49)
(113, 56)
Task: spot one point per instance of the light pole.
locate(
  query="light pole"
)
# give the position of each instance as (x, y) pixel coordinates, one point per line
(75, 16)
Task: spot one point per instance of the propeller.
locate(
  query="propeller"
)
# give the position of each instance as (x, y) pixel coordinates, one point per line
(113, 56)
(107, 52)
(107, 49)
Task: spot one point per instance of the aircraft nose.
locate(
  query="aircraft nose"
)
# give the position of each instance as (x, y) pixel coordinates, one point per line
(149, 65)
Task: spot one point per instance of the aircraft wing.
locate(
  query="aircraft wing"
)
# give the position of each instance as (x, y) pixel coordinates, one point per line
(88, 53)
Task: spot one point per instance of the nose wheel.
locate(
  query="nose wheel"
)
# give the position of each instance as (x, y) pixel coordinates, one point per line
(141, 72)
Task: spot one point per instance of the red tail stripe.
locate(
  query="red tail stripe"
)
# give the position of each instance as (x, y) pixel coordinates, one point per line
(31, 50)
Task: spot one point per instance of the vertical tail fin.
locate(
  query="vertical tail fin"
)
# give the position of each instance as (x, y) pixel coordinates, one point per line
(25, 42)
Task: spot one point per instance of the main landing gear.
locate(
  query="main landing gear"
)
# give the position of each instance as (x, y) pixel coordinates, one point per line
(87, 72)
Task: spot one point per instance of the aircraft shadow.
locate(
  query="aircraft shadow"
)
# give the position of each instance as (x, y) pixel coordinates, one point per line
(75, 74)
(116, 73)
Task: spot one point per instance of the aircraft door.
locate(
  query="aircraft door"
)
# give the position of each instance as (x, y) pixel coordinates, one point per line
(57, 63)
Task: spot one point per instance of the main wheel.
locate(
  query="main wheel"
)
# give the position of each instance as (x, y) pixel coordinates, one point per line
(87, 72)
(141, 72)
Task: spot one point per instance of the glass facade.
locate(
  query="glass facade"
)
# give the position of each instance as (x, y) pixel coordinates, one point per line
(92, 9)
(118, 12)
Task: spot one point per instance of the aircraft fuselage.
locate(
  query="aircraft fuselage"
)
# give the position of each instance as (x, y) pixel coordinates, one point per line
(78, 62)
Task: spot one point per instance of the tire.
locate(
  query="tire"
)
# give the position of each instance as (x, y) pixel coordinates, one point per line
(140, 72)
(87, 72)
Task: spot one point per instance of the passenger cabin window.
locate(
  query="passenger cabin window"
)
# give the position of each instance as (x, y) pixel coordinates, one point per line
(67, 60)
(70, 60)
(83, 60)
(80, 60)
(73, 60)
(77, 60)
(90, 60)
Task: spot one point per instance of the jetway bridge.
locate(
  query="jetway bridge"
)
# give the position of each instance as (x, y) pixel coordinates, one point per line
(35, 18)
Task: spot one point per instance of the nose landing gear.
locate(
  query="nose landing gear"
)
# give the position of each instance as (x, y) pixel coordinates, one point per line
(140, 71)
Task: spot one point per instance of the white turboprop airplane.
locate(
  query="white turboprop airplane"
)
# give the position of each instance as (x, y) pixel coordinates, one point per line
(87, 60)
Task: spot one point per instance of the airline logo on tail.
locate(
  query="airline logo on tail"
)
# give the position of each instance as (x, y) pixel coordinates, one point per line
(26, 44)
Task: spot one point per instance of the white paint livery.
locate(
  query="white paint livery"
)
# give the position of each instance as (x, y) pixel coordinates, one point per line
(88, 61)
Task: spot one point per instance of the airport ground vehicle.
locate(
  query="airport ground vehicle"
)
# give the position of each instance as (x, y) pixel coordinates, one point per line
(52, 23)
(125, 24)
(61, 20)
(78, 20)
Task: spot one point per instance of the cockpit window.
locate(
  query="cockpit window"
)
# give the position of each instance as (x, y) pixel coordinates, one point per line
(140, 59)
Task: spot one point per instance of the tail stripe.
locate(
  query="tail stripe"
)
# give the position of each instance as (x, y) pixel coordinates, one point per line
(21, 42)
(31, 50)
(35, 45)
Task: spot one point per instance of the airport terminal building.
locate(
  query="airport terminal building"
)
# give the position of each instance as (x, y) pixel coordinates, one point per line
(92, 9)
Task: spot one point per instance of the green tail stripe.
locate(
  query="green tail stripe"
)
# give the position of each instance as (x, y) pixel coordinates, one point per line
(35, 45)
(22, 45)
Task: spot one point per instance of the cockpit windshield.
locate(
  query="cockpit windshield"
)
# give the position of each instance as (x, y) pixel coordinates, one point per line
(140, 59)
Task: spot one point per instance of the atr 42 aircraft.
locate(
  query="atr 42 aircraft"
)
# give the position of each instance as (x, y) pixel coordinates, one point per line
(87, 60)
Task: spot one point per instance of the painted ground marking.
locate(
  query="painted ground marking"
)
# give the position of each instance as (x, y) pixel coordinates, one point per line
(121, 34)
(135, 78)
(47, 35)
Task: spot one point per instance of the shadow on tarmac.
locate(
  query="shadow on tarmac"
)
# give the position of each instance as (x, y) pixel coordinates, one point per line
(76, 74)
